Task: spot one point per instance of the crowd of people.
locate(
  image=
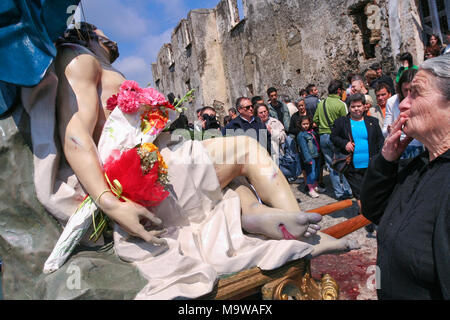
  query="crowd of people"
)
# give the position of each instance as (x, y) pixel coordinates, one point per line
(307, 135)
(301, 134)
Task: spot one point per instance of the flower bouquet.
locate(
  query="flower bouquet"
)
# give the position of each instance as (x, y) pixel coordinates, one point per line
(133, 166)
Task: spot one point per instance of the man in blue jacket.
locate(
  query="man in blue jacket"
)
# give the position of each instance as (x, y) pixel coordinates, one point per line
(247, 124)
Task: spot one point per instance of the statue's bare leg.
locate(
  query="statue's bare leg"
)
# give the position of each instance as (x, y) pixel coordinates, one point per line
(281, 217)
(274, 223)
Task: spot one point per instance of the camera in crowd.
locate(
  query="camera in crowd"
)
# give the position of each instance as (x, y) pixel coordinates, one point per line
(211, 122)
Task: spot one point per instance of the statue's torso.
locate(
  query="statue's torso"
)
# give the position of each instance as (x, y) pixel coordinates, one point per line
(109, 81)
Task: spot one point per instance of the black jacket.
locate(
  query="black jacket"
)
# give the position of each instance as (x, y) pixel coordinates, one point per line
(342, 132)
(239, 126)
(294, 128)
(412, 210)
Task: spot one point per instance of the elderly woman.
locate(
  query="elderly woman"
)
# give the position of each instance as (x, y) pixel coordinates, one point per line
(274, 126)
(411, 206)
(284, 148)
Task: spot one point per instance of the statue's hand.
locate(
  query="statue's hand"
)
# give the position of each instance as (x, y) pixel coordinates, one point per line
(132, 217)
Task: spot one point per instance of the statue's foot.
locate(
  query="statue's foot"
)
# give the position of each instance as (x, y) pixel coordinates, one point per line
(325, 244)
(277, 224)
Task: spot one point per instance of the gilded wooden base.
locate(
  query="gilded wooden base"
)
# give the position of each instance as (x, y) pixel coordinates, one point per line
(293, 281)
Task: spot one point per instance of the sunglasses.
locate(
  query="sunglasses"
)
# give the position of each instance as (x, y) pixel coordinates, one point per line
(247, 107)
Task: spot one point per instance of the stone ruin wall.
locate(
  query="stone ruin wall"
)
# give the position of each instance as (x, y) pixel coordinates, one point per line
(282, 43)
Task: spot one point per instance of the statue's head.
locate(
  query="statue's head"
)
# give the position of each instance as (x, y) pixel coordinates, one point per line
(89, 36)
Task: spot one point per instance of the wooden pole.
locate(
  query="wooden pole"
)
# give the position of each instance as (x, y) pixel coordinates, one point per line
(344, 228)
(332, 207)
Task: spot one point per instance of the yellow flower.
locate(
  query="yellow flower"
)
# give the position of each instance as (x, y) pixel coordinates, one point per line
(150, 147)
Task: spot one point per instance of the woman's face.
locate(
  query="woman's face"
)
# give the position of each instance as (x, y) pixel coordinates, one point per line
(425, 108)
(305, 124)
(357, 109)
(263, 114)
(301, 107)
(433, 41)
(406, 88)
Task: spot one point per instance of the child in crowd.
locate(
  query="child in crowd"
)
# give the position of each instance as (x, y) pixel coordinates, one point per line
(308, 142)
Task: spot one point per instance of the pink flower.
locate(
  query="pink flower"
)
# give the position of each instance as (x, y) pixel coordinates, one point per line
(130, 85)
(111, 103)
(152, 97)
(128, 101)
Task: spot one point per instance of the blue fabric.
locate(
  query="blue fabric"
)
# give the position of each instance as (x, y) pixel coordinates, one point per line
(28, 30)
(411, 152)
(290, 163)
(8, 95)
(308, 145)
(313, 171)
(360, 137)
(339, 183)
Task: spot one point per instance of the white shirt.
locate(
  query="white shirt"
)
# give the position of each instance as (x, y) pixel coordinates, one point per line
(278, 137)
(392, 113)
(292, 108)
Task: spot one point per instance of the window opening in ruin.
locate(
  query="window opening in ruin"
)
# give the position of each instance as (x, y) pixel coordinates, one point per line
(189, 50)
(157, 83)
(236, 12)
(170, 59)
(250, 89)
(240, 6)
(369, 35)
(186, 34)
(434, 15)
(188, 85)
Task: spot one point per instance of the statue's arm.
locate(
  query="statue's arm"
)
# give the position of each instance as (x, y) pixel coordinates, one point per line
(78, 109)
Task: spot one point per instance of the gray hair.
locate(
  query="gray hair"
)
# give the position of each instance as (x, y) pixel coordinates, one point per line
(298, 100)
(286, 98)
(440, 68)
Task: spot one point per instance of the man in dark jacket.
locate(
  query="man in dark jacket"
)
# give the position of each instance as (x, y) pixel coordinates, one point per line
(381, 78)
(247, 124)
(311, 100)
(278, 109)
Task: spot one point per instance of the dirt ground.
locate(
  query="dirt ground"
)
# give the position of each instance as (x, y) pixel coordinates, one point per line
(355, 270)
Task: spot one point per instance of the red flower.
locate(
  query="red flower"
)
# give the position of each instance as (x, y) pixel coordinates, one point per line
(141, 188)
(111, 103)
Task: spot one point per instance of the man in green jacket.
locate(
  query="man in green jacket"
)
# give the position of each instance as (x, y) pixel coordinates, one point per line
(335, 108)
